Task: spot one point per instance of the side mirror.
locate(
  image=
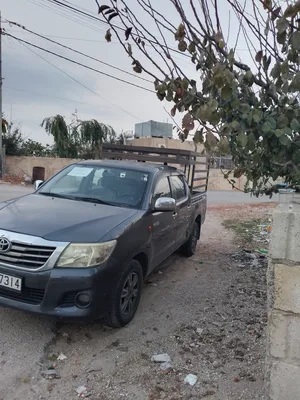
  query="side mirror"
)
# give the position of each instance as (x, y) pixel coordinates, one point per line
(165, 204)
(37, 184)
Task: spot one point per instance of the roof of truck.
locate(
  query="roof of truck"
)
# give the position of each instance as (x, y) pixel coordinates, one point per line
(134, 165)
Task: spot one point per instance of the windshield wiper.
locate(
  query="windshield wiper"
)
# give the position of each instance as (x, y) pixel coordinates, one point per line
(93, 200)
(60, 196)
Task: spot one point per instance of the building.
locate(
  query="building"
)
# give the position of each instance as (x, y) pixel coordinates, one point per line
(153, 129)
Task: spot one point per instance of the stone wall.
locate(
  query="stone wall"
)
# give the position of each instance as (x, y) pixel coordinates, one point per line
(283, 348)
(23, 166)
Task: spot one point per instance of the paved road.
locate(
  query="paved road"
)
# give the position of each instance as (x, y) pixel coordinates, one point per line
(223, 197)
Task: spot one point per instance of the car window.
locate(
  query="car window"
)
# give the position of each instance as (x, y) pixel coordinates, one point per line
(116, 186)
(162, 189)
(68, 184)
(178, 188)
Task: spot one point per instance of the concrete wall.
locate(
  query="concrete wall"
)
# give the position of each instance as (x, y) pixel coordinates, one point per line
(218, 182)
(22, 166)
(283, 348)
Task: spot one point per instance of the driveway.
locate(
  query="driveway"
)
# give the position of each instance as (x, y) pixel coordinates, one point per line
(207, 312)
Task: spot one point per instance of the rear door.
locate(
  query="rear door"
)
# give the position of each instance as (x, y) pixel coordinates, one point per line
(182, 197)
(164, 237)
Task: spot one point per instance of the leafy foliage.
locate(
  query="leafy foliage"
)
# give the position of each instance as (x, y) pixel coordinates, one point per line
(79, 139)
(253, 112)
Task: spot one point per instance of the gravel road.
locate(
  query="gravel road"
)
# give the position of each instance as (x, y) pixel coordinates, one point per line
(206, 312)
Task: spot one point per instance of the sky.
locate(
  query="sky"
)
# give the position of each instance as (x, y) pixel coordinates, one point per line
(37, 85)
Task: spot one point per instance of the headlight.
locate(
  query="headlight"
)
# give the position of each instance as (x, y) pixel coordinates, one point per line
(82, 255)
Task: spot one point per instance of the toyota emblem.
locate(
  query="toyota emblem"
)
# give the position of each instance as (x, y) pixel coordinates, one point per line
(5, 245)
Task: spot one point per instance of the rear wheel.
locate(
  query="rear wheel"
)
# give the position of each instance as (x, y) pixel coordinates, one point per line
(127, 296)
(188, 249)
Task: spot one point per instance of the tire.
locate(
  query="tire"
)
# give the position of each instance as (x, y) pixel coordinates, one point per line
(126, 296)
(188, 249)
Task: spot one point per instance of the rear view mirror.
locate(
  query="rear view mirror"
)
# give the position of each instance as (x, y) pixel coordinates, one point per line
(165, 204)
(37, 184)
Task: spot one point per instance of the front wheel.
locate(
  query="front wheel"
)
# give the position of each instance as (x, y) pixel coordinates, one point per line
(188, 249)
(126, 296)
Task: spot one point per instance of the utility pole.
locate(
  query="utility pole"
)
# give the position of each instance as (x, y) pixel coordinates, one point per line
(1, 150)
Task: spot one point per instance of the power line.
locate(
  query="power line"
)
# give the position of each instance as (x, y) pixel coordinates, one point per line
(79, 52)
(78, 63)
(86, 14)
(62, 14)
(46, 95)
(80, 83)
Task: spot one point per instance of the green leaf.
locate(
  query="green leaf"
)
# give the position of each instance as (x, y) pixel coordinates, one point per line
(282, 25)
(213, 105)
(242, 139)
(287, 131)
(185, 83)
(281, 37)
(276, 70)
(257, 116)
(265, 128)
(278, 132)
(295, 125)
(284, 140)
(226, 93)
(251, 141)
(198, 138)
(235, 125)
(214, 118)
(272, 123)
(211, 140)
(295, 41)
(192, 47)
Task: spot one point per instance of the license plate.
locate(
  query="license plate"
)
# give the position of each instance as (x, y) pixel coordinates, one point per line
(10, 282)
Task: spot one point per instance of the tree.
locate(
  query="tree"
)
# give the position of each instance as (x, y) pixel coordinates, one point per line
(80, 138)
(30, 147)
(252, 110)
(12, 141)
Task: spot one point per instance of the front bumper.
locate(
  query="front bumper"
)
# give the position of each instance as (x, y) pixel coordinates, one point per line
(54, 293)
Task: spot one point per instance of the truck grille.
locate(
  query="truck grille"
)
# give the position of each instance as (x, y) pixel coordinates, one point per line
(27, 295)
(26, 255)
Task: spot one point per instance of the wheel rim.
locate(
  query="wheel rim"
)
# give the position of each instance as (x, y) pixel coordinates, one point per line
(194, 239)
(130, 293)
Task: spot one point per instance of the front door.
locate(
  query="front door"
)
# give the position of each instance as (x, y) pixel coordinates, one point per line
(164, 235)
(182, 198)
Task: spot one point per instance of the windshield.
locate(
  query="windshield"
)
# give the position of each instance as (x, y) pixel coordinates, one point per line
(100, 184)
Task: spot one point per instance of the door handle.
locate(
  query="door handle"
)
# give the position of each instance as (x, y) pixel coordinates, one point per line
(189, 207)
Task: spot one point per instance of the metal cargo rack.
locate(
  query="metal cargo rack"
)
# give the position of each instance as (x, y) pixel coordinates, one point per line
(196, 172)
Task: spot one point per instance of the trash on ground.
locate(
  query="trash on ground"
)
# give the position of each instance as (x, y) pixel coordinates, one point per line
(165, 366)
(81, 390)
(263, 251)
(191, 379)
(62, 357)
(161, 358)
(200, 261)
(50, 374)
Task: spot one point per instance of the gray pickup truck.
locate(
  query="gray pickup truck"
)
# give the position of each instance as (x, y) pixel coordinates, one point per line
(80, 247)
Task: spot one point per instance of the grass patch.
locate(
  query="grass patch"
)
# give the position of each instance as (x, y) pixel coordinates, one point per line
(248, 233)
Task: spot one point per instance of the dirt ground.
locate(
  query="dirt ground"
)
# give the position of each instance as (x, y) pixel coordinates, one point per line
(208, 313)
